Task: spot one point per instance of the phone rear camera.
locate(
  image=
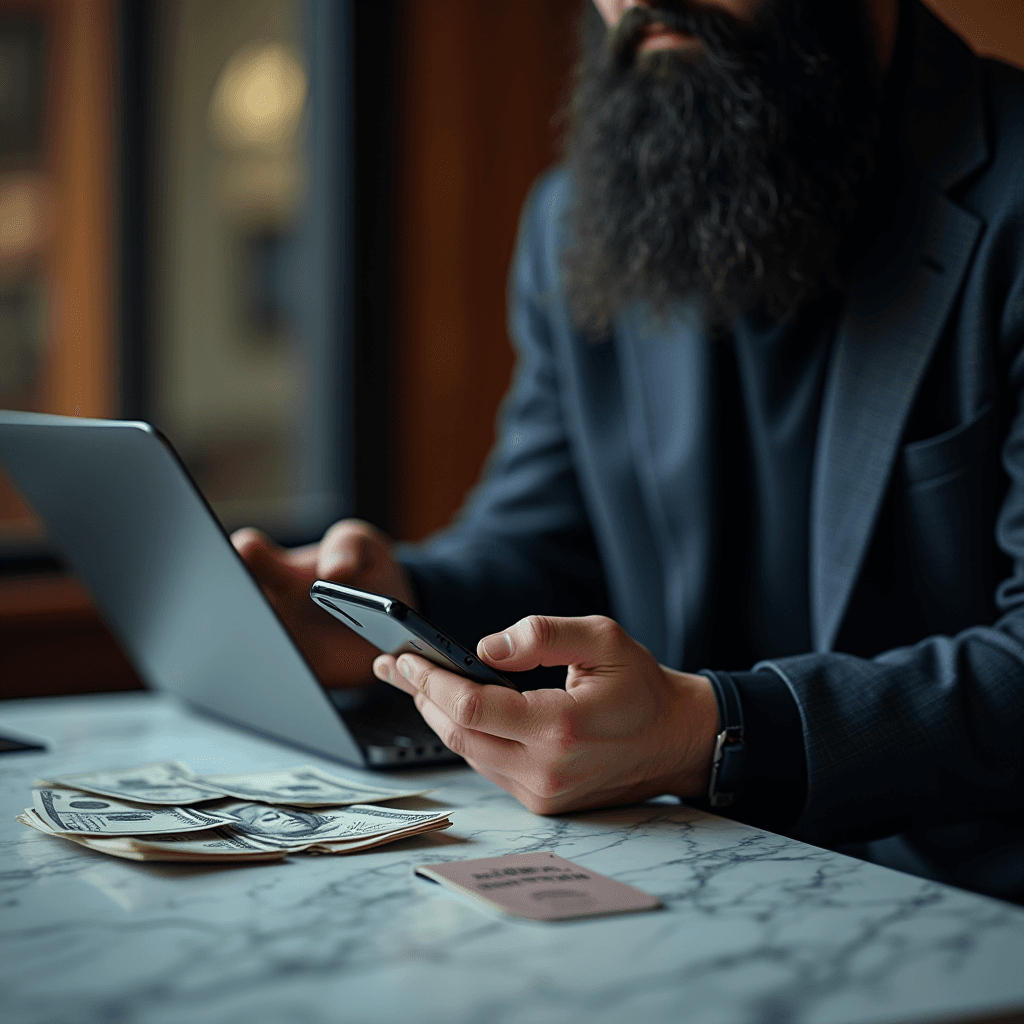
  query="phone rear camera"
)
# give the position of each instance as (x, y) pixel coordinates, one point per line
(468, 660)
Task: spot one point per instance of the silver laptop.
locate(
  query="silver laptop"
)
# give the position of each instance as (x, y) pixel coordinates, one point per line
(122, 510)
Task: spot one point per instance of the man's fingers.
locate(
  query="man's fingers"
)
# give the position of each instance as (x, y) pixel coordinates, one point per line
(503, 756)
(551, 640)
(265, 559)
(495, 710)
(348, 548)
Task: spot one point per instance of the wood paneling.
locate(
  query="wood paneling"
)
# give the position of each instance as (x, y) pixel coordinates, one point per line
(994, 28)
(479, 85)
(52, 641)
(82, 348)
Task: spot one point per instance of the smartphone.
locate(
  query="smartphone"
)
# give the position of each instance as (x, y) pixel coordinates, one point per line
(394, 628)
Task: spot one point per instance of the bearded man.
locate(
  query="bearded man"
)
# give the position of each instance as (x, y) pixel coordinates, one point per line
(759, 483)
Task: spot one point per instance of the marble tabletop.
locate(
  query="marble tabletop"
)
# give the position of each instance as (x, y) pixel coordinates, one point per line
(756, 928)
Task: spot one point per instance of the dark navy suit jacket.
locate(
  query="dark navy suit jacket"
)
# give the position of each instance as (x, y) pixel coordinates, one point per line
(599, 495)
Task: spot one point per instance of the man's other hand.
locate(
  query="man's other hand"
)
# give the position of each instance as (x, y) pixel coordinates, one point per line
(624, 728)
(351, 552)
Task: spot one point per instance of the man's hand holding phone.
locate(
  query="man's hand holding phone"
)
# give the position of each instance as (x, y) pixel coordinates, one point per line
(624, 728)
(351, 552)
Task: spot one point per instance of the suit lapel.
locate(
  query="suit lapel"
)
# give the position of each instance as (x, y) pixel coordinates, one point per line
(882, 348)
(894, 316)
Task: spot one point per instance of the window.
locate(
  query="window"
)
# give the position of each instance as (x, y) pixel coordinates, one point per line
(186, 261)
(234, 355)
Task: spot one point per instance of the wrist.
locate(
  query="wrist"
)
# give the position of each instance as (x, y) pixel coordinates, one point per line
(694, 727)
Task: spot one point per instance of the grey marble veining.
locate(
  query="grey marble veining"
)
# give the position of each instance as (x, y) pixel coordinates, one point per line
(757, 928)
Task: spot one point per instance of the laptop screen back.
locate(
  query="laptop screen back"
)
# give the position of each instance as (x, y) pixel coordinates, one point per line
(121, 509)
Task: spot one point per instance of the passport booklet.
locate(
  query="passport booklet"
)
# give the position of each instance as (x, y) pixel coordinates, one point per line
(538, 886)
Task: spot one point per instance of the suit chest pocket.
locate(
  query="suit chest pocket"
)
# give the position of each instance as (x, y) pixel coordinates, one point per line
(949, 495)
(932, 461)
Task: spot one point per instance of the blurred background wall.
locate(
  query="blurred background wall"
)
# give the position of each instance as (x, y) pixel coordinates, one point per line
(280, 229)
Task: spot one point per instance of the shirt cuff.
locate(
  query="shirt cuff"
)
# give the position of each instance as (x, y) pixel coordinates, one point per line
(774, 786)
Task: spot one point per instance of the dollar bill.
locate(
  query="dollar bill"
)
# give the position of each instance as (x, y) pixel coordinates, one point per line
(221, 844)
(306, 786)
(355, 845)
(364, 829)
(71, 811)
(172, 783)
(214, 850)
(295, 829)
(217, 844)
(164, 783)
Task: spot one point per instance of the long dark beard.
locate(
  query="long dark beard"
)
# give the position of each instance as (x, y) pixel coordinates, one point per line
(731, 175)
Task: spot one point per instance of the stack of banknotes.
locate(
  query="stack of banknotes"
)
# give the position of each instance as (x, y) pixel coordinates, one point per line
(152, 813)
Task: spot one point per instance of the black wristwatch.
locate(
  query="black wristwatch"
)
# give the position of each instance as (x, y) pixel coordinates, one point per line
(727, 762)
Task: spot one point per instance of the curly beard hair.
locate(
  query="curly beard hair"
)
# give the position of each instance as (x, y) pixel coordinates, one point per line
(730, 174)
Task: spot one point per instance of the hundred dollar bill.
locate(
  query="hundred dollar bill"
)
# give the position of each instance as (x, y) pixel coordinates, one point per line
(166, 782)
(225, 843)
(69, 811)
(303, 787)
(221, 844)
(355, 845)
(296, 829)
(217, 844)
(219, 849)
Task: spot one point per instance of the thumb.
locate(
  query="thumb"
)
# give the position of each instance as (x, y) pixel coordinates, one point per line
(553, 640)
(264, 558)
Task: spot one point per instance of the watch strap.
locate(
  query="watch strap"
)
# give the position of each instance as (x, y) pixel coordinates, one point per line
(726, 777)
